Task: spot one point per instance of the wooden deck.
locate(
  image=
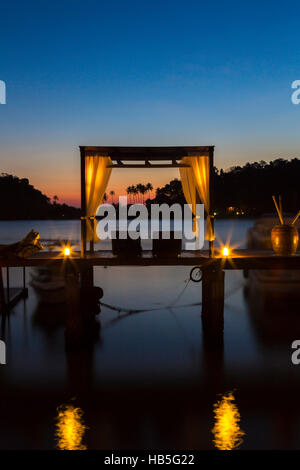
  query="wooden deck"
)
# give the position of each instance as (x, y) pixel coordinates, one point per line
(213, 282)
(239, 259)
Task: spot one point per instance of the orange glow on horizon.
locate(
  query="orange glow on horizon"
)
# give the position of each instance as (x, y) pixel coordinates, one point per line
(66, 185)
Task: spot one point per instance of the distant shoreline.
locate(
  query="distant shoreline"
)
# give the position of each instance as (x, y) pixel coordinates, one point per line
(223, 217)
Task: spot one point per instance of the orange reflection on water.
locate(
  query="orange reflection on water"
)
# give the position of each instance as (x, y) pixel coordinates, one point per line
(70, 428)
(227, 432)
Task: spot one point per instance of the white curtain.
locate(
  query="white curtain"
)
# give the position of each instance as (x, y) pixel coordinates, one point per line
(96, 180)
(195, 179)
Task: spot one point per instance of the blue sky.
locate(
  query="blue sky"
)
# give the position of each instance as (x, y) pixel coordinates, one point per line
(145, 73)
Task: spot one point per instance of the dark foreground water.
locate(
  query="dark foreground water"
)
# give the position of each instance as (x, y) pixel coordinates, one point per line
(149, 380)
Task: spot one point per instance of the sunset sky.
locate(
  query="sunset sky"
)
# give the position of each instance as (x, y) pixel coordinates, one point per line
(144, 73)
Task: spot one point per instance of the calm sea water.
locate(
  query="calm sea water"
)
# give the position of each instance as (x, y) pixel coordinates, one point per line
(148, 380)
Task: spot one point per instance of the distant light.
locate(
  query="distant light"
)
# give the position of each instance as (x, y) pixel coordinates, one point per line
(225, 251)
(67, 251)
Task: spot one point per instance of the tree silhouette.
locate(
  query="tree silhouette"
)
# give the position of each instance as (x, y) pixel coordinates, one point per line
(112, 193)
(129, 192)
(247, 189)
(24, 201)
(149, 188)
(135, 192)
(142, 190)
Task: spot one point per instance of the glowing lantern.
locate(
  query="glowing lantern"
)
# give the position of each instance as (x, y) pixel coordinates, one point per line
(67, 251)
(225, 251)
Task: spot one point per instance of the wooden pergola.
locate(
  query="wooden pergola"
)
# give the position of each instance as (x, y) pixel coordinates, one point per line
(142, 157)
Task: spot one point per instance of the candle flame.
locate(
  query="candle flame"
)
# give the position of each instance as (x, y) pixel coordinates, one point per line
(225, 251)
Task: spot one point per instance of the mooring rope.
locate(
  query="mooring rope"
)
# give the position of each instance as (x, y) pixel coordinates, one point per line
(128, 312)
(132, 311)
(170, 306)
(187, 282)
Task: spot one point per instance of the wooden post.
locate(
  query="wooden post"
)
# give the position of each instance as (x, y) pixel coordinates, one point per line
(74, 321)
(2, 295)
(82, 304)
(213, 303)
(89, 294)
(92, 241)
(211, 202)
(213, 327)
(83, 202)
(7, 286)
(87, 277)
(24, 278)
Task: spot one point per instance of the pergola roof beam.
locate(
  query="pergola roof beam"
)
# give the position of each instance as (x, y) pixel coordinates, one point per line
(143, 154)
(148, 165)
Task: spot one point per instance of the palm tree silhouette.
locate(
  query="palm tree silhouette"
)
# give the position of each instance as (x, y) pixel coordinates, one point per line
(129, 192)
(141, 189)
(55, 199)
(149, 188)
(134, 192)
(112, 193)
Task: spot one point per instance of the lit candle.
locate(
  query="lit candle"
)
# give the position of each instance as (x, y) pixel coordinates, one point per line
(67, 251)
(225, 251)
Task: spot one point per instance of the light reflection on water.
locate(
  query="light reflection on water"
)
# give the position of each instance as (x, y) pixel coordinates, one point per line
(161, 350)
(70, 428)
(227, 432)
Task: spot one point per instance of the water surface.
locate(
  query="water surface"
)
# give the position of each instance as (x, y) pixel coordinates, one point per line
(148, 380)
